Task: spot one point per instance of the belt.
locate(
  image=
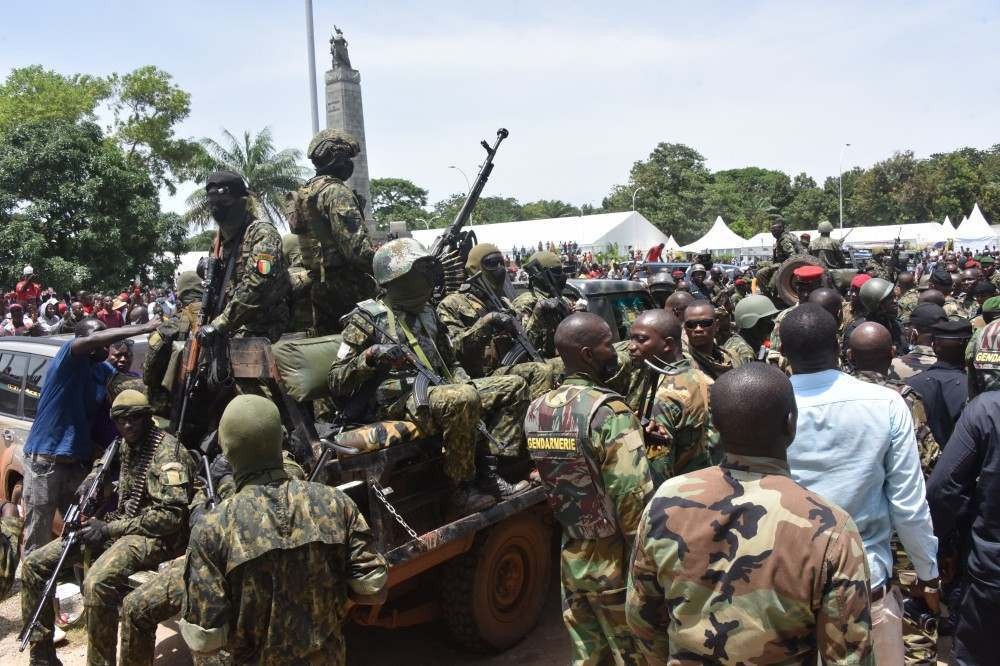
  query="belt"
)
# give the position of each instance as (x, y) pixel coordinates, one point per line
(879, 592)
(45, 457)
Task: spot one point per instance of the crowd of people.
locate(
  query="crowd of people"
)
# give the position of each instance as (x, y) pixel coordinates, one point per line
(753, 475)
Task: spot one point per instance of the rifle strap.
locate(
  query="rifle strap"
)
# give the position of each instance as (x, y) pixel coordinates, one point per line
(414, 344)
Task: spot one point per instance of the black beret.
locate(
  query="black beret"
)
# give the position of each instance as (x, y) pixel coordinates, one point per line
(926, 315)
(941, 276)
(983, 288)
(956, 329)
(233, 181)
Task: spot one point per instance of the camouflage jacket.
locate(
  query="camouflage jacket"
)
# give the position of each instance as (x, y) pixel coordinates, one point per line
(926, 444)
(329, 217)
(540, 327)
(918, 359)
(681, 406)
(269, 570)
(907, 304)
(786, 246)
(351, 377)
(954, 309)
(738, 564)
(124, 381)
(876, 268)
(629, 381)
(159, 351)
(10, 551)
(715, 364)
(995, 279)
(828, 251)
(738, 348)
(257, 295)
(476, 345)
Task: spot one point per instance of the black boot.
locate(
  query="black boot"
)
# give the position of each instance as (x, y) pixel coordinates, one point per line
(43, 653)
(467, 499)
(489, 480)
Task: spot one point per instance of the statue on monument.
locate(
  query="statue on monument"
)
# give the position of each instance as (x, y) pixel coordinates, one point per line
(338, 47)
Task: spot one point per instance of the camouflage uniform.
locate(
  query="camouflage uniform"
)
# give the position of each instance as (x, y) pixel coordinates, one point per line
(479, 349)
(10, 551)
(953, 309)
(680, 405)
(123, 381)
(148, 527)
(715, 364)
(268, 573)
(828, 251)
(540, 327)
(301, 283)
(629, 381)
(907, 303)
(160, 349)
(329, 218)
(876, 268)
(786, 246)
(589, 450)
(454, 408)
(257, 295)
(738, 564)
(919, 358)
(738, 348)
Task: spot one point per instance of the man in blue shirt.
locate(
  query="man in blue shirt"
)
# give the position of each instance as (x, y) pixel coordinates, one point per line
(855, 446)
(59, 448)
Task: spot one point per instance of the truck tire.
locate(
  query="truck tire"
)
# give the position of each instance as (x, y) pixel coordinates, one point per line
(492, 596)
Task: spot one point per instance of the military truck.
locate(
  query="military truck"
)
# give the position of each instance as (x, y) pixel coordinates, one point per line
(618, 302)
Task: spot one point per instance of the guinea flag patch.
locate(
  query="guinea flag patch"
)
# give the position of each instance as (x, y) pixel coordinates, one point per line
(264, 263)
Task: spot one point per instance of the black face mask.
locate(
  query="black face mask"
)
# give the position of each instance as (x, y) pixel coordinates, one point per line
(341, 166)
(558, 278)
(494, 270)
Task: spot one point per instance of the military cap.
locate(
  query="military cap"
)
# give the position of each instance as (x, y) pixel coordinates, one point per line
(986, 259)
(808, 273)
(228, 179)
(992, 304)
(661, 279)
(949, 329)
(858, 280)
(941, 276)
(825, 227)
(339, 138)
(740, 282)
(544, 259)
(873, 292)
(926, 315)
(477, 254)
(130, 403)
(696, 268)
(188, 286)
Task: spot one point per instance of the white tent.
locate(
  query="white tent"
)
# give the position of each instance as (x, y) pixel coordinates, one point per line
(916, 233)
(719, 238)
(671, 245)
(948, 228)
(975, 233)
(590, 232)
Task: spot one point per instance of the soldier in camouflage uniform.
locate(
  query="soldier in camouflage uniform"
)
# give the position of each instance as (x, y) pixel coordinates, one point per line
(827, 249)
(753, 318)
(738, 564)
(160, 346)
(921, 355)
(481, 333)
(301, 281)
(329, 218)
(941, 281)
(990, 272)
(269, 572)
(148, 527)
(875, 266)
(786, 245)
(254, 300)
(373, 379)
(909, 295)
(11, 526)
(588, 447)
(700, 324)
(543, 306)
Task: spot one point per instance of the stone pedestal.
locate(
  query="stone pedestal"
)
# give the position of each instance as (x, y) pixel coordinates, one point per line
(344, 111)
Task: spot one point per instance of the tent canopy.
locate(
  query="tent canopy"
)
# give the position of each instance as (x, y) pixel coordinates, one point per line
(671, 245)
(719, 238)
(589, 232)
(975, 232)
(919, 233)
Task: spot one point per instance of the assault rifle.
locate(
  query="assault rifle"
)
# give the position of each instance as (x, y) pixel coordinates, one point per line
(524, 345)
(894, 256)
(453, 245)
(87, 504)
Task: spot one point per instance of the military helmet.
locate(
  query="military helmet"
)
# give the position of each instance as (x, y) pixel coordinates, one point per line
(825, 227)
(396, 258)
(752, 309)
(329, 140)
(874, 292)
(662, 281)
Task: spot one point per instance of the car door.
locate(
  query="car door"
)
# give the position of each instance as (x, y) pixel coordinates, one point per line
(13, 426)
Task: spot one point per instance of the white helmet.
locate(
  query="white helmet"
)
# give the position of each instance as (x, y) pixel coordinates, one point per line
(28, 270)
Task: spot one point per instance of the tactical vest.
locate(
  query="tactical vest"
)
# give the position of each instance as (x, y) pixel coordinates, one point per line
(558, 431)
(319, 250)
(133, 475)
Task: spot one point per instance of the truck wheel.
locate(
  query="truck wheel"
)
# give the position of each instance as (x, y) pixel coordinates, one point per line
(493, 595)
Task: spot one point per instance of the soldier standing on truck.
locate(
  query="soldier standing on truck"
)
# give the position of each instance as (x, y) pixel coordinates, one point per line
(588, 447)
(827, 249)
(374, 379)
(269, 572)
(160, 347)
(329, 218)
(543, 306)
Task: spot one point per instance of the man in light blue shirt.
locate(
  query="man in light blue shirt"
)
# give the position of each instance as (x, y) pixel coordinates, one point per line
(855, 446)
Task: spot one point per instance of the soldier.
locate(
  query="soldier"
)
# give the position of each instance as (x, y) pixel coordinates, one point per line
(148, 527)
(738, 564)
(675, 399)
(481, 333)
(989, 270)
(878, 298)
(373, 378)
(754, 321)
(301, 282)
(588, 447)
(804, 280)
(941, 281)
(921, 355)
(700, 324)
(160, 345)
(827, 249)
(741, 289)
(329, 218)
(875, 266)
(543, 306)
(698, 288)
(10, 544)
(908, 295)
(255, 289)
(990, 313)
(661, 286)
(786, 245)
(270, 571)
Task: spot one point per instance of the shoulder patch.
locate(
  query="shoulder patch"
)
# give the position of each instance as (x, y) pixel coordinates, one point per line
(264, 262)
(618, 406)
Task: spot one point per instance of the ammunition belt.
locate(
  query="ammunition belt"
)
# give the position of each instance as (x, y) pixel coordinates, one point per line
(128, 506)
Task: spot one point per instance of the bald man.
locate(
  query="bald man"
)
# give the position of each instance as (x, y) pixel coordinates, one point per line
(589, 450)
(739, 563)
(678, 302)
(906, 292)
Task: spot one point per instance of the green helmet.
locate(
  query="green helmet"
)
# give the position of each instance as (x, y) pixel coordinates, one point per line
(873, 292)
(331, 139)
(752, 309)
(825, 227)
(396, 258)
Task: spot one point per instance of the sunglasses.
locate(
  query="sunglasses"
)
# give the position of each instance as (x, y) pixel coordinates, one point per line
(492, 262)
(692, 324)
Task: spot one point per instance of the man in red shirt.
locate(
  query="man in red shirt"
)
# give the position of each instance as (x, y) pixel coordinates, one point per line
(28, 291)
(108, 315)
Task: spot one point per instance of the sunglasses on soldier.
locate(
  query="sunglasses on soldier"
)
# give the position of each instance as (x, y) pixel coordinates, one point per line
(699, 323)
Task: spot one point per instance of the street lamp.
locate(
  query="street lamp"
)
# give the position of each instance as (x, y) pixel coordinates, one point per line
(468, 185)
(840, 184)
(633, 196)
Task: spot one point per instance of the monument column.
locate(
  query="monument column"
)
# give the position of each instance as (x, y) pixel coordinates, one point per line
(344, 111)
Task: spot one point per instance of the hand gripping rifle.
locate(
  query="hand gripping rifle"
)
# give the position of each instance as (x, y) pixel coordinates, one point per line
(452, 247)
(86, 505)
(426, 377)
(523, 347)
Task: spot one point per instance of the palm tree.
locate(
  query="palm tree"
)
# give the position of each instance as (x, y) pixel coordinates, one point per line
(269, 174)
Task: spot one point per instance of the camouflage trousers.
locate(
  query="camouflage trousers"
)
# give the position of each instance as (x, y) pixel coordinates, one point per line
(10, 551)
(920, 647)
(593, 576)
(540, 377)
(332, 299)
(144, 608)
(104, 587)
(505, 401)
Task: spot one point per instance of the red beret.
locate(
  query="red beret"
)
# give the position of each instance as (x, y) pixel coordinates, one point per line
(808, 273)
(740, 282)
(860, 279)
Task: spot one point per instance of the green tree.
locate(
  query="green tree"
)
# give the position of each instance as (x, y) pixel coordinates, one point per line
(488, 210)
(269, 173)
(810, 204)
(36, 94)
(397, 199)
(78, 210)
(547, 208)
(200, 242)
(744, 197)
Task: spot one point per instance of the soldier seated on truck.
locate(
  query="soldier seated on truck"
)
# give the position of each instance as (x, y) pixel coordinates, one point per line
(375, 375)
(543, 306)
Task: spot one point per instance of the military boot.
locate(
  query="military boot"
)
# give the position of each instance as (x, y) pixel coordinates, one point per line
(43, 653)
(489, 480)
(467, 499)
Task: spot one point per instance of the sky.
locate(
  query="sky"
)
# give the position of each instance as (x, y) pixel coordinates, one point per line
(585, 88)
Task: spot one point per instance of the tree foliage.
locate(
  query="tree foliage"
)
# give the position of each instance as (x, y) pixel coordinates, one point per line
(397, 199)
(36, 94)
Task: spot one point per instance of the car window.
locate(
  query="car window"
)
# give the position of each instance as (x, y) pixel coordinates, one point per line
(35, 377)
(626, 308)
(12, 367)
